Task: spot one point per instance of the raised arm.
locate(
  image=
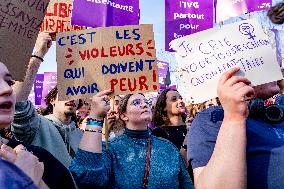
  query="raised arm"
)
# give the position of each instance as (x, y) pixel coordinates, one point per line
(227, 165)
(92, 141)
(92, 164)
(22, 89)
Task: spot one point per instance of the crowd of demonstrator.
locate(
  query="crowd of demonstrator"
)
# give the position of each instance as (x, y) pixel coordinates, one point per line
(236, 141)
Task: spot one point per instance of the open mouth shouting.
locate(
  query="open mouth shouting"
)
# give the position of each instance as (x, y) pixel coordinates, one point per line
(6, 106)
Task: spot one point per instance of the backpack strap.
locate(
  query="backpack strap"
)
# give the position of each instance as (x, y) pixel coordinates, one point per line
(147, 167)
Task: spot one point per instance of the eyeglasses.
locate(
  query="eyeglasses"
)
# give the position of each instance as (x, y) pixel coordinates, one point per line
(139, 102)
(116, 102)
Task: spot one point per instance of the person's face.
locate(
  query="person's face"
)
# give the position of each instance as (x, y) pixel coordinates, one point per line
(117, 100)
(267, 90)
(137, 110)
(7, 97)
(174, 104)
(67, 108)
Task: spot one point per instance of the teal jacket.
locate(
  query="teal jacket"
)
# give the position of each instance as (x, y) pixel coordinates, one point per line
(45, 131)
(123, 164)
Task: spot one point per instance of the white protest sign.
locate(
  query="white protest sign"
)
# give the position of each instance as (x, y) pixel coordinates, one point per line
(203, 57)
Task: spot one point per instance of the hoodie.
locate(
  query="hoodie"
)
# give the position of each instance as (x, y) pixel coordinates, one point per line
(48, 132)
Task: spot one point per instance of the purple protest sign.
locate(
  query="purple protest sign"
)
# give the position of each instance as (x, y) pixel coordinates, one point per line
(104, 13)
(50, 81)
(38, 86)
(162, 68)
(187, 17)
(258, 5)
(163, 87)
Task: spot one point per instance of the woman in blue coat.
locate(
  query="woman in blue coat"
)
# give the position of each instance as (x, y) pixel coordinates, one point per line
(135, 159)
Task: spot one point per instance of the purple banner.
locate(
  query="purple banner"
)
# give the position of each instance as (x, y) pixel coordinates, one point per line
(258, 5)
(38, 86)
(232, 8)
(50, 81)
(104, 13)
(162, 68)
(187, 17)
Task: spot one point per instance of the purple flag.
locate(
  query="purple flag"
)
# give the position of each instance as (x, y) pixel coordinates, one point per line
(50, 81)
(104, 13)
(38, 85)
(187, 17)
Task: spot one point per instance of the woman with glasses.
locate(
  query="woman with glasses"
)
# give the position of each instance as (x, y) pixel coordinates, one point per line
(134, 159)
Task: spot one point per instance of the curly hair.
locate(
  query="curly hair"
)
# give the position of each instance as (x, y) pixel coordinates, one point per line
(276, 14)
(160, 117)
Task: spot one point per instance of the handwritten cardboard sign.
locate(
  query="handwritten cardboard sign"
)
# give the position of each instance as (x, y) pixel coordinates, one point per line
(19, 26)
(204, 56)
(58, 17)
(121, 58)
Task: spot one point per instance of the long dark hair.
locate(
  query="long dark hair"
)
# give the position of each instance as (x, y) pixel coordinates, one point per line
(160, 117)
(276, 14)
(49, 97)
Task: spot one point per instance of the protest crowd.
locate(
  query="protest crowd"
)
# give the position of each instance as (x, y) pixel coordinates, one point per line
(98, 129)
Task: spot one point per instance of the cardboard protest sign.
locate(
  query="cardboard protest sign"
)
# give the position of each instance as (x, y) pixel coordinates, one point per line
(58, 17)
(204, 56)
(187, 17)
(232, 8)
(103, 13)
(119, 58)
(38, 87)
(19, 26)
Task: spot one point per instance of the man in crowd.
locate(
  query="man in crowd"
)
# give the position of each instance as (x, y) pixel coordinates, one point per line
(241, 144)
(227, 147)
